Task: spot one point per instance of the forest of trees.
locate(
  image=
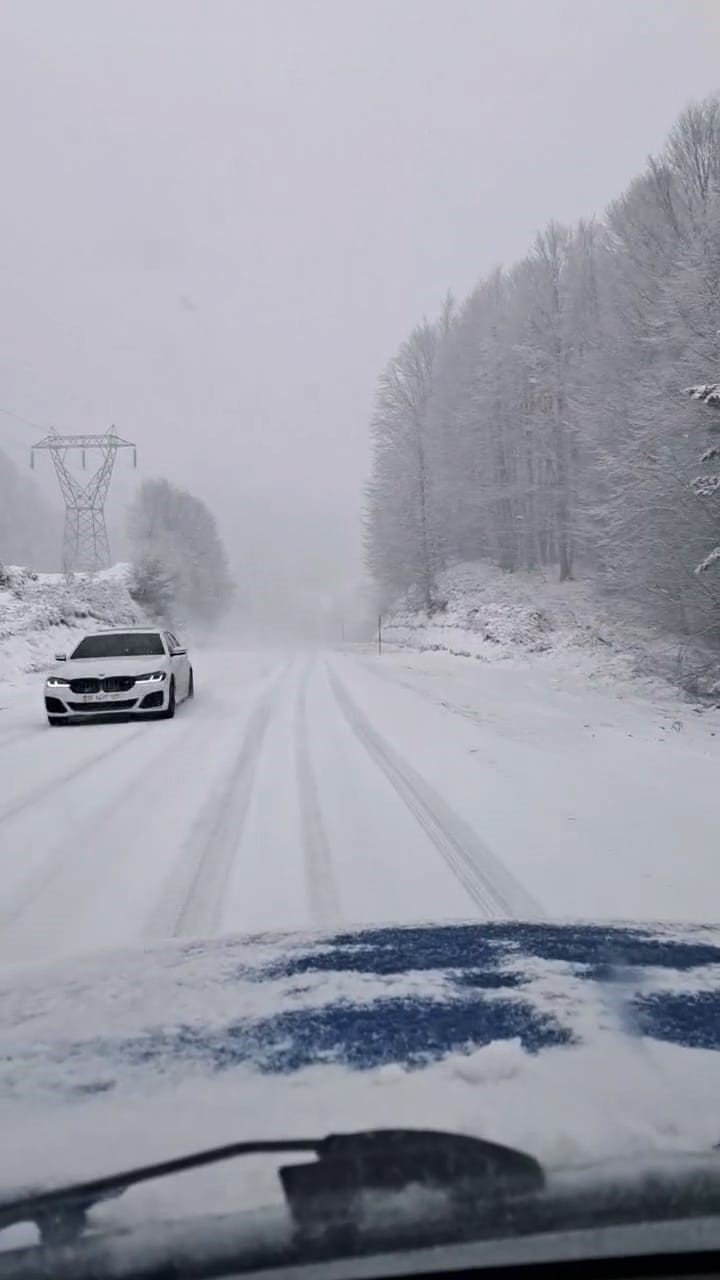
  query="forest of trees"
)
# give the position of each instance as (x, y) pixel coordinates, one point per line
(547, 422)
(179, 564)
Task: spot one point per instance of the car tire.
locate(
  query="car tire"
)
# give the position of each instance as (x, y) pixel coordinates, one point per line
(56, 720)
(169, 711)
(191, 685)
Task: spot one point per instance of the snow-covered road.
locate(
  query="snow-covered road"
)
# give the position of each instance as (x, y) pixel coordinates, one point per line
(337, 788)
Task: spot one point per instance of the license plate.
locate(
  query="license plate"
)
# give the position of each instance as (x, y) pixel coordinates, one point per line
(101, 697)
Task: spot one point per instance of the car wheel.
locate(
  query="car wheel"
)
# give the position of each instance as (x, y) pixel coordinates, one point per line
(169, 711)
(191, 685)
(55, 720)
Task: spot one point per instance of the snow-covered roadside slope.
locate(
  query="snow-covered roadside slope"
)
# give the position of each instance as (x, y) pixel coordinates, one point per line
(43, 613)
(491, 615)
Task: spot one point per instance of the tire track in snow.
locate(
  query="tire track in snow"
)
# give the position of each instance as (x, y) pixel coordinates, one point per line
(60, 865)
(482, 719)
(392, 678)
(467, 713)
(45, 789)
(322, 892)
(492, 888)
(15, 735)
(193, 899)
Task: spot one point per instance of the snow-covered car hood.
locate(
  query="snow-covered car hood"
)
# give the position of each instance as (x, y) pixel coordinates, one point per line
(572, 1042)
(72, 670)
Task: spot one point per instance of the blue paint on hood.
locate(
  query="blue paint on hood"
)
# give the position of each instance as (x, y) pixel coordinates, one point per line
(363, 999)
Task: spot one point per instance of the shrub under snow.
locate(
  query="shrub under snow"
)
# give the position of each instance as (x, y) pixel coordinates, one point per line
(43, 613)
(490, 615)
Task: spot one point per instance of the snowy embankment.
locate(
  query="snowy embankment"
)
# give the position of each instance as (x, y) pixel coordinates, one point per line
(570, 627)
(43, 613)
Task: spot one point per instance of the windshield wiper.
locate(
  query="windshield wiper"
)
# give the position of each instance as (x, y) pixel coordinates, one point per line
(359, 1196)
(321, 1195)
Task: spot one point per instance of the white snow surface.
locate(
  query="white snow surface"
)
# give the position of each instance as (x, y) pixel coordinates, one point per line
(319, 790)
(322, 789)
(492, 616)
(43, 613)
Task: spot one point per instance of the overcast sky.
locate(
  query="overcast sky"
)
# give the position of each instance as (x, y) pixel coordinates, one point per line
(219, 218)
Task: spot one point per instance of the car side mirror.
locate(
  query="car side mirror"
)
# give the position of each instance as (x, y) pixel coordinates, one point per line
(179, 652)
(61, 657)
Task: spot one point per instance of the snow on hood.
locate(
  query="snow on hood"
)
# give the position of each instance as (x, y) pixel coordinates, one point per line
(572, 1042)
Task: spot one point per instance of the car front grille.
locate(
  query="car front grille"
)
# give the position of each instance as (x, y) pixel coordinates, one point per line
(111, 684)
(92, 708)
(118, 684)
(85, 686)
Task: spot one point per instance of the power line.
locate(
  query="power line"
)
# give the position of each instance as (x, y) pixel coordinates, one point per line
(39, 426)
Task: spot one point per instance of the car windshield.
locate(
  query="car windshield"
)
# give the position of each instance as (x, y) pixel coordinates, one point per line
(359, 608)
(130, 644)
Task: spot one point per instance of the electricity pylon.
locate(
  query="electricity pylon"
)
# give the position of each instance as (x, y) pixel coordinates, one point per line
(85, 540)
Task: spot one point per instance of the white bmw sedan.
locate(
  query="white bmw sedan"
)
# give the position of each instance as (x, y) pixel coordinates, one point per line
(132, 672)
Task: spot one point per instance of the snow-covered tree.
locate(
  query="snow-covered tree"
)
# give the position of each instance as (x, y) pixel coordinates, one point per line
(544, 425)
(153, 585)
(401, 530)
(179, 563)
(474, 425)
(708, 484)
(668, 314)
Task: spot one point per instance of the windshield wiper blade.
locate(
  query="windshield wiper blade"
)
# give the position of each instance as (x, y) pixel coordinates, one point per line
(60, 1213)
(347, 1165)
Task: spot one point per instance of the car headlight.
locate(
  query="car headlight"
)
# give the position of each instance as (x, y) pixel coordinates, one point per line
(153, 678)
(54, 682)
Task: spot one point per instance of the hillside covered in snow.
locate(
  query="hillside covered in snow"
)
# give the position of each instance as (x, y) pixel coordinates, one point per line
(42, 613)
(491, 615)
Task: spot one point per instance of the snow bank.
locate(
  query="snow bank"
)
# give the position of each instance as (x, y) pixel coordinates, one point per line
(41, 613)
(491, 615)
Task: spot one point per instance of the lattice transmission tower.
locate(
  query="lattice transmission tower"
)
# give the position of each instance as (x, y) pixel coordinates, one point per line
(85, 540)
